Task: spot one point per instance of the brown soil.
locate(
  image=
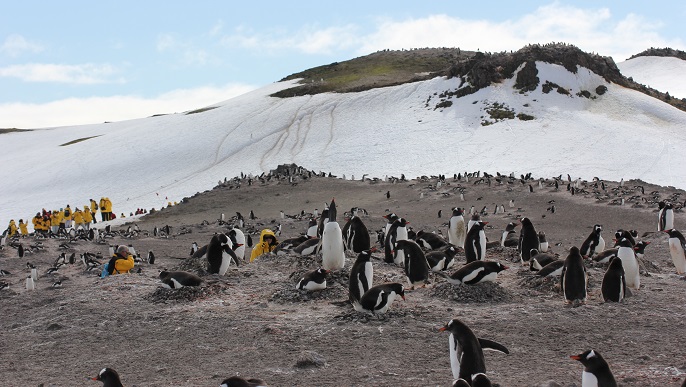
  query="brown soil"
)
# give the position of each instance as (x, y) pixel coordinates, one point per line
(254, 323)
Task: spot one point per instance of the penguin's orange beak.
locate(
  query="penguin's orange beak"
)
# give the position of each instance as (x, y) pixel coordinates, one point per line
(403, 297)
(505, 267)
(442, 329)
(575, 357)
(373, 249)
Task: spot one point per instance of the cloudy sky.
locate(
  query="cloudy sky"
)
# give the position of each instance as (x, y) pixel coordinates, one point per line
(79, 62)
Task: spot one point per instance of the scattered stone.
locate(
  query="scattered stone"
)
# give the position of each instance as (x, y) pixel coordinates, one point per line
(54, 327)
(485, 292)
(310, 359)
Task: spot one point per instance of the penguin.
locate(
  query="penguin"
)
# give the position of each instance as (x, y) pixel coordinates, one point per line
(333, 251)
(666, 218)
(430, 241)
(312, 228)
(361, 276)
(476, 272)
(390, 219)
(313, 280)
(109, 378)
(220, 254)
(574, 278)
(594, 243)
(237, 381)
(151, 257)
(625, 252)
(605, 256)
(631, 235)
(640, 249)
(475, 243)
(289, 244)
(542, 242)
(466, 350)
(596, 372)
(194, 248)
(72, 258)
(481, 380)
(528, 239)
(309, 247)
(456, 228)
(237, 235)
(323, 219)
(677, 246)
(20, 250)
(460, 383)
(57, 284)
(416, 266)
(510, 237)
(397, 232)
(475, 218)
(614, 283)
(30, 285)
(539, 260)
(356, 235)
(379, 298)
(442, 259)
(179, 279)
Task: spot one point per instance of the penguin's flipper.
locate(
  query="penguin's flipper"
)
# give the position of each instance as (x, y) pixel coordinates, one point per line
(492, 345)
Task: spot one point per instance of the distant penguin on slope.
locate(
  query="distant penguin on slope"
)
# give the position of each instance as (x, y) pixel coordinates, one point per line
(594, 243)
(333, 254)
(542, 242)
(456, 228)
(677, 248)
(665, 216)
(528, 240)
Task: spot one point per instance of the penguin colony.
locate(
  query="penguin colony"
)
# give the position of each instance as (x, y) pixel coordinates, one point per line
(419, 254)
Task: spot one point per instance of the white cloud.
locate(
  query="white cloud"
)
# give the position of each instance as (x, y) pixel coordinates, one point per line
(87, 73)
(15, 45)
(187, 53)
(309, 39)
(77, 111)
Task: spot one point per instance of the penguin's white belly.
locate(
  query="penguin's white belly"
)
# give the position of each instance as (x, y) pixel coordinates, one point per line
(677, 253)
(226, 262)
(502, 239)
(313, 286)
(482, 241)
(369, 273)
(588, 380)
(454, 357)
(669, 220)
(389, 301)
(333, 254)
(399, 258)
(630, 264)
(601, 245)
(489, 277)
(543, 247)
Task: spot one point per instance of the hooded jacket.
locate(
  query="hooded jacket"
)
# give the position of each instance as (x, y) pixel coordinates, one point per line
(12, 227)
(23, 227)
(263, 247)
(87, 216)
(78, 217)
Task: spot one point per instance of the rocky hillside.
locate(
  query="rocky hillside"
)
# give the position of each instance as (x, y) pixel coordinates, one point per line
(664, 52)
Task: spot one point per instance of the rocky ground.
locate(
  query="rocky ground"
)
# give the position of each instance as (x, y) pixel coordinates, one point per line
(253, 322)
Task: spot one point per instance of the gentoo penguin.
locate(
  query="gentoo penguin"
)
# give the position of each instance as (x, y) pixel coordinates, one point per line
(640, 249)
(379, 298)
(539, 260)
(237, 381)
(20, 250)
(312, 228)
(510, 237)
(614, 283)
(460, 383)
(390, 219)
(361, 275)
(594, 243)
(286, 245)
(72, 258)
(151, 257)
(441, 259)
(528, 239)
(356, 235)
(194, 248)
(473, 220)
(475, 243)
(605, 256)
(466, 350)
(677, 246)
(481, 380)
(476, 272)
(542, 242)
(430, 241)
(597, 372)
(30, 285)
(179, 279)
(631, 235)
(109, 378)
(456, 228)
(323, 219)
(416, 266)
(625, 252)
(573, 277)
(313, 280)
(397, 232)
(333, 254)
(237, 235)
(309, 247)
(220, 254)
(666, 217)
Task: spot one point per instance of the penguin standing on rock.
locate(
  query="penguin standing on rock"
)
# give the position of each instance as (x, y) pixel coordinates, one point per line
(475, 244)
(466, 350)
(597, 372)
(237, 235)
(528, 239)
(456, 228)
(614, 284)
(574, 278)
(594, 243)
(625, 252)
(416, 266)
(361, 276)
(356, 235)
(665, 217)
(314, 280)
(333, 253)
(220, 254)
(397, 232)
(677, 248)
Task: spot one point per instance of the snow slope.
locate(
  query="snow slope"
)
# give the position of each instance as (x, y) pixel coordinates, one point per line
(666, 74)
(388, 131)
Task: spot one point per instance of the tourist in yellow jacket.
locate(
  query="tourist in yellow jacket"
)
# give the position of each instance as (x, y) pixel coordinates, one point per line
(103, 211)
(94, 210)
(37, 223)
(78, 219)
(24, 228)
(87, 217)
(108, 208)
(12, 228)
(55, 220)
(267, 244)
(68, 216)
(121, 262)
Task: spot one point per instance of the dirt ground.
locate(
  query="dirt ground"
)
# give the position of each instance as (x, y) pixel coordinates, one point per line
(253, 322)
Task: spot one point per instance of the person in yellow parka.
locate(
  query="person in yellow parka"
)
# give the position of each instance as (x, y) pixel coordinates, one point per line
(87, 217)
(94, 210)
(108, 207)
(267, 244)
(68, 216)
(12, 228)
(37, 223)
(121, 262)
(24, 228)
(78, 219)
(55, 221)
(103, 210)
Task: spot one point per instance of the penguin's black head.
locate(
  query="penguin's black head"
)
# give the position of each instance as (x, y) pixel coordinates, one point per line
(615, 263)
(598, 228)
(500, 267)
(109, 377)
(574, 251)
(591, 360)
(453, 326)
(625, 242)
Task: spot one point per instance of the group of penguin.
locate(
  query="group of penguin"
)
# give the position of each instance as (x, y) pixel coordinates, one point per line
(110, 378)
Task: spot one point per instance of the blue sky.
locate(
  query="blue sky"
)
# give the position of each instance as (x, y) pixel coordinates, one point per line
(77, 62)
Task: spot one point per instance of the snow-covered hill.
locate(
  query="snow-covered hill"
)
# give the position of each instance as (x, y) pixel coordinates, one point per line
(388, 131)
(666, 74)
